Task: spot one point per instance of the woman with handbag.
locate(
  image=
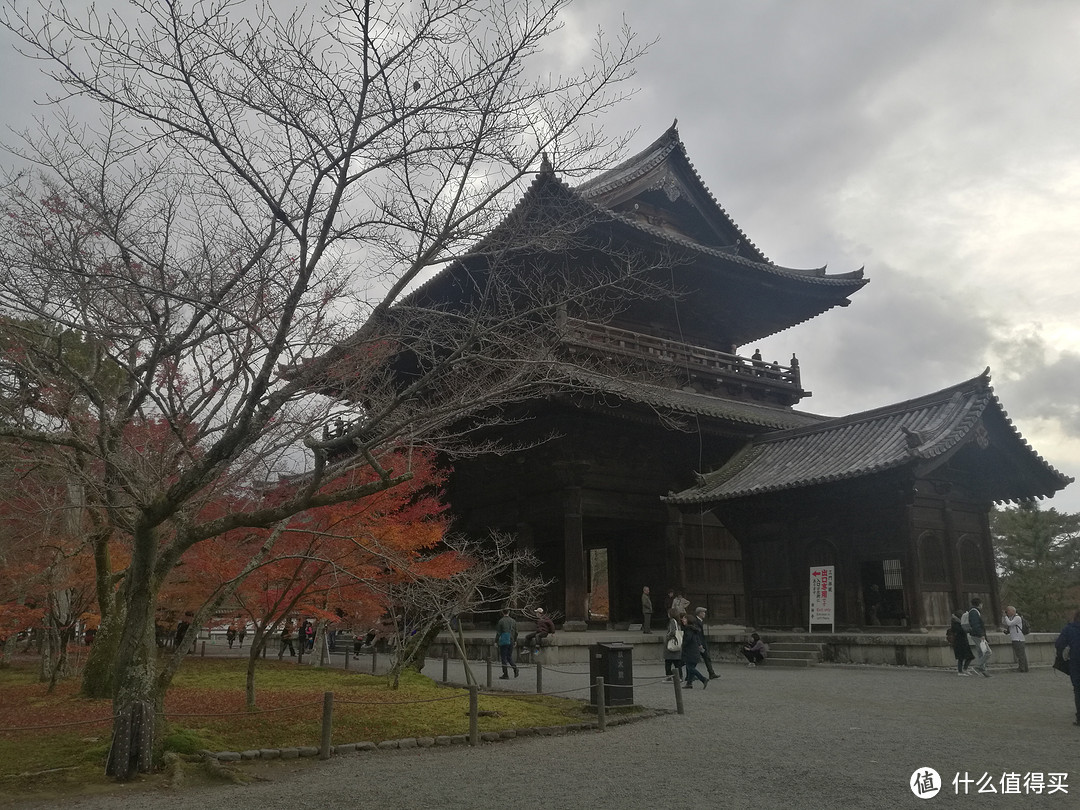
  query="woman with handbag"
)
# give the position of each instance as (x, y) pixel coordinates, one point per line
(673, 642)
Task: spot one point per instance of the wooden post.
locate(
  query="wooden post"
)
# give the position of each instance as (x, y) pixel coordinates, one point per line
(346, 659)
(202, 650)
(327, 721)
(539, 678)
(675, 679)
(373, 657)
(488, 661)
(601, 709)
(474, 714)
(574, 571)
(445, 664)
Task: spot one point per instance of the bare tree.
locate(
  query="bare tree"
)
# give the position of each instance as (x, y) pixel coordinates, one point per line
(494, 574)
(256, 190)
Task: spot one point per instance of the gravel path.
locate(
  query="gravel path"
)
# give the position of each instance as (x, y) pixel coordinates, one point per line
(823, 737)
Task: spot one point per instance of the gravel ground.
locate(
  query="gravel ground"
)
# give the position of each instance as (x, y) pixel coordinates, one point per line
(827, 736)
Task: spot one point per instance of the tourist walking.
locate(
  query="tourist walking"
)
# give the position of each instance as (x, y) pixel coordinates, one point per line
(505, 636)
(241, 631)
(673, 642)
(754, 650)
(699, 622)
(646, 610)
(286, 640)
(976, 631)
(1070, 640)
(230, 635)
(692, 646)
(956, 636)
(1014, 626)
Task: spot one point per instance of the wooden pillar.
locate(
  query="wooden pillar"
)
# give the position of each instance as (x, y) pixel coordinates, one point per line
(674, 555)
(987, 543)
(575, 569)
(913, 583)
(952, 544)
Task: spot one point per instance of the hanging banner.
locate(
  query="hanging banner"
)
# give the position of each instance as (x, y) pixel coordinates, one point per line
(822, 597)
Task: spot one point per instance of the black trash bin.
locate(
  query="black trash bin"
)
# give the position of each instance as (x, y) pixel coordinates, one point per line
(614, 663)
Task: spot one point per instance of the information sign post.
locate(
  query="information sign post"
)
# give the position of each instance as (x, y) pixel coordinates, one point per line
(822, 597)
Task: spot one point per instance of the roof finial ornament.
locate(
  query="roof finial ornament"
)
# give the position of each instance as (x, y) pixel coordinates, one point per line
(914, 438)
(545, 164)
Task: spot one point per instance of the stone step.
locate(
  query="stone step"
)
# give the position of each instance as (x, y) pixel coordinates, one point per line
(795, 653)
(780, 661)
(796, 646)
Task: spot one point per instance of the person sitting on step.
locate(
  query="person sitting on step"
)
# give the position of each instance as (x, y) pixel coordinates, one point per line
(544, 628)
(754, 650)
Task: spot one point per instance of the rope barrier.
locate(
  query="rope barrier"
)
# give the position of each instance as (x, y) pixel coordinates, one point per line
(396, 702)
(58, 725)
(247, 713)
(563, 692)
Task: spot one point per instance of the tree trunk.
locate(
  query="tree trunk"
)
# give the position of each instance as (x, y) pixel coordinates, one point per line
(138, 700)
(137, 706)
(319, 651)
(60, 668)
(258, 641)
(97, 679)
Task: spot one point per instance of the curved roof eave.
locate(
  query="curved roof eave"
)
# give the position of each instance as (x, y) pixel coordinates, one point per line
(547, 180)
(929, 428)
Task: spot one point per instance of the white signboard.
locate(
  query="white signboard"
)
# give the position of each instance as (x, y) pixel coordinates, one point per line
(822, 596)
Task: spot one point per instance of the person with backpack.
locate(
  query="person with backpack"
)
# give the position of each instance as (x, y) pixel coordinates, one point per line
(505, 637)
(1016, 628)
(958, 639)
(972, 624)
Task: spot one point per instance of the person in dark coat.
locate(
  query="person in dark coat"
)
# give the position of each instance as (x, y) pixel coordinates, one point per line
(286, 640)
(1070, 639)
(698, 620)
(980, 647)
(956, 636)
(692, 646)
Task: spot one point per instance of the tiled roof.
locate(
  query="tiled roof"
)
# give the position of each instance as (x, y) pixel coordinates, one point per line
(913, 432)
(667, 145)
(547, 188)
(692, 402)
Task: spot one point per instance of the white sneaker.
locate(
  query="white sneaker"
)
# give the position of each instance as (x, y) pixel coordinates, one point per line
(751, 664)
(961, 674)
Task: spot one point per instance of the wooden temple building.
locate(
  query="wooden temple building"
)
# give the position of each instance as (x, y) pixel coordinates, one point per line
(695, 470)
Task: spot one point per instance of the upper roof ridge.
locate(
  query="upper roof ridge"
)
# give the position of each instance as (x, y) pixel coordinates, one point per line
(669, 144)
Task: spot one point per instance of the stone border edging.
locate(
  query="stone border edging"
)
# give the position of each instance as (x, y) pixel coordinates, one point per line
(430, 742)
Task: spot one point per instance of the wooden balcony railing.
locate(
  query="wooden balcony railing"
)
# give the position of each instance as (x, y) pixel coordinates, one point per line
(697, 360)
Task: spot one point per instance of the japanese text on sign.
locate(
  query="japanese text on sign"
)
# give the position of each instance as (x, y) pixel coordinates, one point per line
(821, 594)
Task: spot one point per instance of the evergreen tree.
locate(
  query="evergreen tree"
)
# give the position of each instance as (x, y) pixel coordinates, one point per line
(1038, 555)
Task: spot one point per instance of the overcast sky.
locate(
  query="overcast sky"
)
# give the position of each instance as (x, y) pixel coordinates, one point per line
(936, 143)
